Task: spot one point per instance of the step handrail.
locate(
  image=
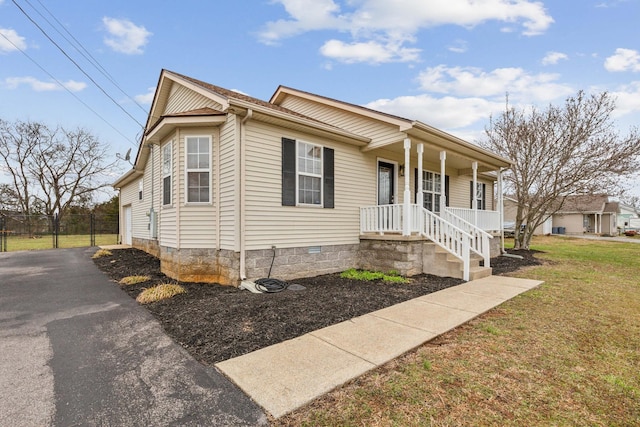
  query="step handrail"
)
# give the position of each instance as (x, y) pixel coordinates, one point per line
(479, 237)
(445, 234)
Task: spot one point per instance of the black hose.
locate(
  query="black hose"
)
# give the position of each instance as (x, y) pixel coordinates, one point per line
(269, 285)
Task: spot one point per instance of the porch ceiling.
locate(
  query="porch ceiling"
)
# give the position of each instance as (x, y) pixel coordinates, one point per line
(432, 155)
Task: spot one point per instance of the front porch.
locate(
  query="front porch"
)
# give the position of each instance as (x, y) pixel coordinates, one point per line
(458, 239)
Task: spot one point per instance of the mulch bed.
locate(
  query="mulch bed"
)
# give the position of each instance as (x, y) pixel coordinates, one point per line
(215, 323)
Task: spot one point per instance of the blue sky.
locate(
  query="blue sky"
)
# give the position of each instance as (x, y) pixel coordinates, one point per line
(447, 63)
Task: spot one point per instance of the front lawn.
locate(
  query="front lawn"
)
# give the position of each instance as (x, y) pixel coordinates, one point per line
(567, 353)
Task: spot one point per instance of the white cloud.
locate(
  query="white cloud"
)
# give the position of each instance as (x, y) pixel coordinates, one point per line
(126, 37)
(376, 24)
(627, 99)
(623, 60)
(371, 52)
(10, 41)
(308, 15)
(471, 81)
(42, 86)
(446, 113)
(459, 46)
(552, 58)
(146, 98)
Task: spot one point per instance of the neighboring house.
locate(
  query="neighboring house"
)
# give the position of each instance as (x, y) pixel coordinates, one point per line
(511, 210)
(590, 214)
(628, 217)
(227, 187)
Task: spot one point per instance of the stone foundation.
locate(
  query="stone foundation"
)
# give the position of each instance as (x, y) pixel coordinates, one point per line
(293, 263)
(407, 255)
(402, 254)
(201, 265)
(149, 246)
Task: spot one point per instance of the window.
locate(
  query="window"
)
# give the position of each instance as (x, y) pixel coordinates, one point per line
(167, 168)
(140, 188)
(431, 188)
(480, 194)
(307, 174)
(198, 169)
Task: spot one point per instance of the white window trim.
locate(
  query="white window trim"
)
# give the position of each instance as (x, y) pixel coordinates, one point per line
(187, 170)
(479, 193)
(433, 192)
(169, 146)
(321, 175)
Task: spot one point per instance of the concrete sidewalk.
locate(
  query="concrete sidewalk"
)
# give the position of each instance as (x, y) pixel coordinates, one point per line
(286, 376)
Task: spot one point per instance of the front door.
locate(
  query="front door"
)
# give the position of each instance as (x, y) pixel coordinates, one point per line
(386, 183)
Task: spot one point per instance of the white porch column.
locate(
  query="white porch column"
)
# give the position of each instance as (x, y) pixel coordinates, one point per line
(474, 193)
(443, 181)
(500, 208)
(406, 225)
(419, 194)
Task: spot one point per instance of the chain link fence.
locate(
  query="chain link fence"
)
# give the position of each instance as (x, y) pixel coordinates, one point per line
(29, 232)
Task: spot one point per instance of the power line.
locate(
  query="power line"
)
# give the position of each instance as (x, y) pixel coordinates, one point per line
(79, 47)
(75, 63)
(67, 89)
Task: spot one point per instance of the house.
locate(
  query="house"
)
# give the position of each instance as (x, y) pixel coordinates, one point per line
(588, 213)
(628, 218)
(510, 213)
(227, 187)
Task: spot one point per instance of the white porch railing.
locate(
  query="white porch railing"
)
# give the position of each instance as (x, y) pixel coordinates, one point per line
(479, 238)
(389, 218)
(486, 220)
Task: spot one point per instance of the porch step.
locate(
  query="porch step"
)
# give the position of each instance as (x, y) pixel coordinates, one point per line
(439, 262)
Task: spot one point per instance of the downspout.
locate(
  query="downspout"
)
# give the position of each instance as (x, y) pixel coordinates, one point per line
(243, 219)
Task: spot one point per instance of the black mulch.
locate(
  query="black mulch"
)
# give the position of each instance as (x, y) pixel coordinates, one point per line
(215, 323)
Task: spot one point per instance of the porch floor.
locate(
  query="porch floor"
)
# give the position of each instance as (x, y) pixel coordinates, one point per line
(304, 368)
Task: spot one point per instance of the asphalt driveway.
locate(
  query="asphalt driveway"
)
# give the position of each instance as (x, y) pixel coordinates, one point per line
(76, 350)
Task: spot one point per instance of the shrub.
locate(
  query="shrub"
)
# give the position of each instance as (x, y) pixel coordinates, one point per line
(368, 276)
(101, 253)
(132, 280)
(159, 292)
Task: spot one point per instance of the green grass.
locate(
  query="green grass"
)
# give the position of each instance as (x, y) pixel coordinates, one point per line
(46, 242)
(566, 353)
(365, 275)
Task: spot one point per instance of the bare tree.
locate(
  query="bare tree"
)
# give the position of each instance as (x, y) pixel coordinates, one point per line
(558, 152)
(52, 169)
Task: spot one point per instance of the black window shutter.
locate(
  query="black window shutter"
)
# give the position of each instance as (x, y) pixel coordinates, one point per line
(415, 186)
(288, 172)
(328, 184)
(446, 190)
(471, 194)
(484, 196)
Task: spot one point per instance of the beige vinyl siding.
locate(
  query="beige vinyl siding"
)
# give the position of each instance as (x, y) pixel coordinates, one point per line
(459, 192)
(374, 129)
(182, 99)
(269, 223)
(229, 218)
(197, 222)
(167, 222)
